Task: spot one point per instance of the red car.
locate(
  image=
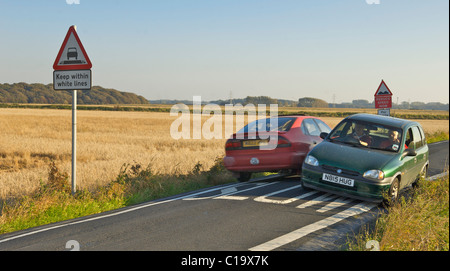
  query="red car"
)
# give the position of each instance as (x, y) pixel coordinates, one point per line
(262, 146)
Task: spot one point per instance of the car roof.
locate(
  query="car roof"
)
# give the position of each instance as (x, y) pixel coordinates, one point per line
(384, 120)
(300, 116)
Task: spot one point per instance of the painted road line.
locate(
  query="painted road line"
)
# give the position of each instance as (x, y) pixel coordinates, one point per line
(229, 191)
(227, 196)
(232, 197)
(317, 200)
(321, 224)
(266, 200)
(335, 204)
(438, 176)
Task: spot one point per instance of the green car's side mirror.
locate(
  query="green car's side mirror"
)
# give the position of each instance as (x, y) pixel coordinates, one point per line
(323, 135)
(410, 151)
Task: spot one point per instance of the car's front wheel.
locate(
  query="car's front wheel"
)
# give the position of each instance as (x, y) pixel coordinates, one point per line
(393, 192)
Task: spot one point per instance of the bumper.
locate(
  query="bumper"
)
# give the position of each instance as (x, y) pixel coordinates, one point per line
(362, 189)
(264, 162)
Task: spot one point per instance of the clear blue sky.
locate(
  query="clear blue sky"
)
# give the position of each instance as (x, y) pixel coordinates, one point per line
(336, 50)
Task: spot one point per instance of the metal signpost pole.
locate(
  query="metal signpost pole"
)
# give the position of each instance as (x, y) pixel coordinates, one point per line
(74, 142)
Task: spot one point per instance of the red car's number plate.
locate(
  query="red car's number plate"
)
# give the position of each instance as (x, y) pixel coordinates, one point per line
(254, 143)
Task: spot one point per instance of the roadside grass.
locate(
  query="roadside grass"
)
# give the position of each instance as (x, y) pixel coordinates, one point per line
(437, 136)
(416, 223)
(54, 202)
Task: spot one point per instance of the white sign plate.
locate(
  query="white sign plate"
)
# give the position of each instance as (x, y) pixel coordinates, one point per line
(72, 80)
(384, 112)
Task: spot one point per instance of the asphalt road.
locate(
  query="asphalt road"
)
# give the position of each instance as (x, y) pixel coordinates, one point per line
(261, 215)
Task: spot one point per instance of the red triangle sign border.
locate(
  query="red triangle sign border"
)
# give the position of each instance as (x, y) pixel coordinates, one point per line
(85, 66)
(378, 89)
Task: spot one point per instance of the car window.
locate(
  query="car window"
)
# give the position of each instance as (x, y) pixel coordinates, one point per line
(282, 125)
(347, 128)
(322, 126)
(367, 134)
(422, 133)
(341, 130)
(311, 127)
(417, 137)
(409, 137)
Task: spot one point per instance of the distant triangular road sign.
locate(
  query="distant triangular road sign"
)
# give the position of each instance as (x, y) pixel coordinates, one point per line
(72, 55)
(383, 89)
(383, 96)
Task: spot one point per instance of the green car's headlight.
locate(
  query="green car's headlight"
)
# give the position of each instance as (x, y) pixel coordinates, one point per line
(374, 174)
(311, 160)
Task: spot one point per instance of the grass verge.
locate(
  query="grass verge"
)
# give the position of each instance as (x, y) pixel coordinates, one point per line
(419, 223)
(53, 201)
(437, 136)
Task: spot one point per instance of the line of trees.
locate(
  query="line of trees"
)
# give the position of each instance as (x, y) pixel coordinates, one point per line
(45, 94)
(318, 103)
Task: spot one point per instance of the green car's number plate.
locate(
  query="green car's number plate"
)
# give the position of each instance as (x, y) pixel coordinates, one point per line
(338, 180)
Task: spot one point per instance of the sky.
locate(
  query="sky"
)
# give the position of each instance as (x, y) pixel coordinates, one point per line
(335, 50)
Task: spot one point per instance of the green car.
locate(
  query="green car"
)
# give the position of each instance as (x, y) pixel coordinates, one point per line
(368, 157)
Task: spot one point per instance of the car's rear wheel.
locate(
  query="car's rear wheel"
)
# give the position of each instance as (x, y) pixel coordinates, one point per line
(244, 176)
(423, 175)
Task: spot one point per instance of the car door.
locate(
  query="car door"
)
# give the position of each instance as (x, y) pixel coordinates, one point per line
(311, 132)
(324, 128)
(409, 162)
(414, 164)
(421, 150)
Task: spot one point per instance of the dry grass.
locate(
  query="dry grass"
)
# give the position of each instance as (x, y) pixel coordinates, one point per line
(31, 138)
(418, 222)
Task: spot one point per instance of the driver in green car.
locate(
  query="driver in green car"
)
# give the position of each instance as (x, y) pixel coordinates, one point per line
(361, 135)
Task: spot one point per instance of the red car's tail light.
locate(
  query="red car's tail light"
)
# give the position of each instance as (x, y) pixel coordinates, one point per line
(233, 144)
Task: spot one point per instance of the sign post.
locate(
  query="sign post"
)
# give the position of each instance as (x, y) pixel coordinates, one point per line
(383, 99)
(74, 141)
(72, 71)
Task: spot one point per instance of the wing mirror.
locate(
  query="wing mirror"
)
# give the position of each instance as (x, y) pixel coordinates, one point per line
(410, 151)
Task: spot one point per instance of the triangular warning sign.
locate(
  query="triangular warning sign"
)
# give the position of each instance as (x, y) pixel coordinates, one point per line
(383, 89)
(72, 55)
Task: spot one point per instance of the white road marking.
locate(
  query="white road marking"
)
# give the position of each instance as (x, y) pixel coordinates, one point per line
(326, 222)
(266, 200)
(437, 143)
(232, 197)
(317, 200)
(435, 177)
(240, 191)
(334, 204)
(228, 190)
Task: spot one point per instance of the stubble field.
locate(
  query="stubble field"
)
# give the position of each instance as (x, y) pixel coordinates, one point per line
(106, 140)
